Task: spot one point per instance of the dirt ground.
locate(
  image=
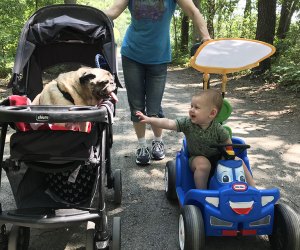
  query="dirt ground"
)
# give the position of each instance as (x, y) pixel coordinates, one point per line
(264, 115)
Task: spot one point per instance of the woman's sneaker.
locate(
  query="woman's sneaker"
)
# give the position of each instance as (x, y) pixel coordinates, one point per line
(142, 156)
(158, 150)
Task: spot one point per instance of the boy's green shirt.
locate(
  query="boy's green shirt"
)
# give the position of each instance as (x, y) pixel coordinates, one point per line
(198, 139)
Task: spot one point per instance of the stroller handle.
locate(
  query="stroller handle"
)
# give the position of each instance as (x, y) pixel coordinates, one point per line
(50, 114)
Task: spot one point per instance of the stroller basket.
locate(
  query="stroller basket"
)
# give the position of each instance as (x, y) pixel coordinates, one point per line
(56, 153)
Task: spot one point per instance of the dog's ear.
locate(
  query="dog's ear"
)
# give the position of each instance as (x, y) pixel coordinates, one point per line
(86, 78)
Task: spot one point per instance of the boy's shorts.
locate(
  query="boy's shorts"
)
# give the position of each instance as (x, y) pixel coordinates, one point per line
(213, 162)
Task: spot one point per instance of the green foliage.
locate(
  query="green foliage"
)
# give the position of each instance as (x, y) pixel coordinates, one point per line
(228, 22)
(287, 48)
(34, 5)
(288, 76)
(286, 68)
(179, 58)
(235, 27)
(12, 18)
(14, 14)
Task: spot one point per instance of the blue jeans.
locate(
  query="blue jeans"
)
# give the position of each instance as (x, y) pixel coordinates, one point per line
(145, 84)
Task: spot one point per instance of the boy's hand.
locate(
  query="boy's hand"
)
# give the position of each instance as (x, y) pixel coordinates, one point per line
(143, 118)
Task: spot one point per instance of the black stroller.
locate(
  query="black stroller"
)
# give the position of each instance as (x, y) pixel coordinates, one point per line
(57, 177)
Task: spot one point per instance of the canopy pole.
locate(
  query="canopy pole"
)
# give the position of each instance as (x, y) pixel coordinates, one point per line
(205, 81)
(224, 81)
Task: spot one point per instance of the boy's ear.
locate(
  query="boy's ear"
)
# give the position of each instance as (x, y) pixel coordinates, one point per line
(213, 112)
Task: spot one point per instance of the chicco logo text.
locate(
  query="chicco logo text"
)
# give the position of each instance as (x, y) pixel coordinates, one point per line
(42, 118)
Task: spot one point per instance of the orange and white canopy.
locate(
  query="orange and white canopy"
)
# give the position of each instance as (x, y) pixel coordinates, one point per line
(228, 55)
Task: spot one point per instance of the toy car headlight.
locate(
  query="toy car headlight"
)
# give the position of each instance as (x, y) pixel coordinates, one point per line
(213, 201)
(266, 199)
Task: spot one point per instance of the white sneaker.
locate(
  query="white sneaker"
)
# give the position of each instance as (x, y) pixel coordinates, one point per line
(142, 156)
(158, 150)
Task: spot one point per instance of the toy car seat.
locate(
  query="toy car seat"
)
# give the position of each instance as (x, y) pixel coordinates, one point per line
(222, 116)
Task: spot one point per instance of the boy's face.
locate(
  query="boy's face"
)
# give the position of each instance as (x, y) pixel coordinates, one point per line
(201, 111)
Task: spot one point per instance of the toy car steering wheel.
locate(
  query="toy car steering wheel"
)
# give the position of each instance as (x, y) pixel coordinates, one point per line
(227, 150)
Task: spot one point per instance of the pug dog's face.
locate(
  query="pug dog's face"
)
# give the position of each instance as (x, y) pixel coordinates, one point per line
(100, 82)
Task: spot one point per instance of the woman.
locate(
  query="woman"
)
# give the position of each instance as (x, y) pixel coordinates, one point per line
(146, 51)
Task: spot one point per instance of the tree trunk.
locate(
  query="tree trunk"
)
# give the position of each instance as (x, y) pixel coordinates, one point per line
(211, 11)
(247, 10)
(287, 10)
(247, 15)
(70, 1)
(184, 34)
(175, 33)
(196, 35)
(295, 7)
(265, 30)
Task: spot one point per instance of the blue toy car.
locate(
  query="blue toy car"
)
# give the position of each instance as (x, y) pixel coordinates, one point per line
(229, 207)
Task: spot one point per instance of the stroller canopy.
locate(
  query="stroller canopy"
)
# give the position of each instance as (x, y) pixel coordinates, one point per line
(61, 34)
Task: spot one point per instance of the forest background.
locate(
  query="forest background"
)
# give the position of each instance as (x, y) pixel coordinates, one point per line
(273, 21)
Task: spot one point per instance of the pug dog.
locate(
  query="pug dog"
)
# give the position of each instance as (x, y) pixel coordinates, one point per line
(85, 86)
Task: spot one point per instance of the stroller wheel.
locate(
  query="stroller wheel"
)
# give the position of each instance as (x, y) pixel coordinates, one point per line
(18, 238)
(3, 237)
(116, 234)
(117, 187)
(90, 243)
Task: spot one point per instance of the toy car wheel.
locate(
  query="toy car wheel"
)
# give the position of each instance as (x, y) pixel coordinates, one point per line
(286, 228)
(117, 187)
(116, 234)
(191, 232)
(19, 238)
(170, 180)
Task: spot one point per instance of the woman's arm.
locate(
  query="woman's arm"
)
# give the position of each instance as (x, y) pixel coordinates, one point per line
(157, 122)
(116, 9)
(193, 12)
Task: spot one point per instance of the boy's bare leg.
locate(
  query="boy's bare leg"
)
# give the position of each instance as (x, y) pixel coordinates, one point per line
(201, 168)
(248, 176)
